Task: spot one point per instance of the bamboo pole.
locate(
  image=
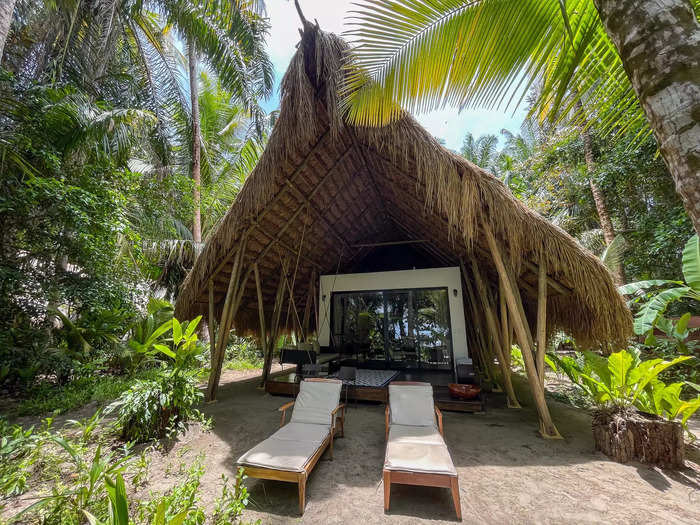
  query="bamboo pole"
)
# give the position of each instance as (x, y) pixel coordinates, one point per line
(210, 324)
(541, 319)
(495, 335)
(505, 325)
(261, 309)
(485, 359)
(307, 306)
(547, 428)
(224, 326)
(274, 324)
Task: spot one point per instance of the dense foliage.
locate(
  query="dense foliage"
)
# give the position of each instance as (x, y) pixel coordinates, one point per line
(96, 195)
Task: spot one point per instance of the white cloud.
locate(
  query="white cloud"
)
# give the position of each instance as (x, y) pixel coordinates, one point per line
(447, 123)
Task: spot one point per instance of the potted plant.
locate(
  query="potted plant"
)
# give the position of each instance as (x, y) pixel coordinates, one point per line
(637, 416)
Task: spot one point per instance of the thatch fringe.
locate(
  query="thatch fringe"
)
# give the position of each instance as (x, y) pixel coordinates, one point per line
(461, 193)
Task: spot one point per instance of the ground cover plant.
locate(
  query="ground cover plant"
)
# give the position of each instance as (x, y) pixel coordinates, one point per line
(79, 474)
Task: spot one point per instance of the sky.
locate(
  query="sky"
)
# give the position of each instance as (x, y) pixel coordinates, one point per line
(448, 123)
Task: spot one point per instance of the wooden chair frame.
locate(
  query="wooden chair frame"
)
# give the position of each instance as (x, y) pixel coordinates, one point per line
(337, 427)
(423, 479)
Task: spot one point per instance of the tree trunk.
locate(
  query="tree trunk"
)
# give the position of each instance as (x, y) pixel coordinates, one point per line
(7, 8)
(659, 45)
(196, 146)
(600, 205)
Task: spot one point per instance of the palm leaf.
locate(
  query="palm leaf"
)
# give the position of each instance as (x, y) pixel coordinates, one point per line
(691, 263)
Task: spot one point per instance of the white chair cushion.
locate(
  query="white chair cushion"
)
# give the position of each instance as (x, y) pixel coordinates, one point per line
(316, 401)
(290, 448)
(418, 449)
(412, 404)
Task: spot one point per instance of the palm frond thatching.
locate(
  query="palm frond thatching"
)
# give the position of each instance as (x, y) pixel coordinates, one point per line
(383, 183)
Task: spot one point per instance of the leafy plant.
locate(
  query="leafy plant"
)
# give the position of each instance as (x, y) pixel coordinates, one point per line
(243, 354)
(68, 503)
(622, 381)
(150, 409)
(651, 313)
(179, 504)
(229, 506)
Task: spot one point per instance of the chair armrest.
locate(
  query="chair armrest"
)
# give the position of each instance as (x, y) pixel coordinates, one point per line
(438, 413)
(340, 408)
(283, 409)
(285, 406)
(387, 414)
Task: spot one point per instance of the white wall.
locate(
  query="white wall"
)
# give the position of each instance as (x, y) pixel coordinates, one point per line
(430, 278)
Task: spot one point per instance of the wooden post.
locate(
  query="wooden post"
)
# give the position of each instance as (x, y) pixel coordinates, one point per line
(505, 325)
(476, 324)
(210, 324)
(495, 335)
(227, 315)
(541, 318)
(524, 337)
(261, 309)
(307, 306)
(274, 325)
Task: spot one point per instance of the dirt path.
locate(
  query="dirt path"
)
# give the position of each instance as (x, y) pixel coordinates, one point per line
(508, 474)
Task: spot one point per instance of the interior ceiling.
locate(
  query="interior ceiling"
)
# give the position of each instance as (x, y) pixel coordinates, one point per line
(329, 204)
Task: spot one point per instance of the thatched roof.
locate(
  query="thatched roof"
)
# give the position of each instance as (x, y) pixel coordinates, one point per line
(384, 184)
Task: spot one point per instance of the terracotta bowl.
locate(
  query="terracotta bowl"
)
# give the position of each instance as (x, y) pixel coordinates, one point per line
(463, 391)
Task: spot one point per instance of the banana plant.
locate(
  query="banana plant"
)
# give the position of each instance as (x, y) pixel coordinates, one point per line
(651, 313)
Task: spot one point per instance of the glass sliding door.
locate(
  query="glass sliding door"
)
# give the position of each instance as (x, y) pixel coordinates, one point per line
(358, 324)
(401, 328)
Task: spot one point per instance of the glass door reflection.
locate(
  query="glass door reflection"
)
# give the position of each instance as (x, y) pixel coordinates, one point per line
(397, 328)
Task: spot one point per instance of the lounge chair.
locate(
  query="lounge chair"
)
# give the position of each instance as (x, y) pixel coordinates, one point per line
(291, 453)
(416, 453)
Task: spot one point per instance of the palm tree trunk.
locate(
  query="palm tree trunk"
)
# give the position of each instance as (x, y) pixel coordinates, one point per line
(196, 146)
(7, 8)
(659, 45)
(600, 205)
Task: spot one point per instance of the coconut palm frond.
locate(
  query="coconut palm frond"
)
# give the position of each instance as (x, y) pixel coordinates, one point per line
(425, 54)
(613, 254)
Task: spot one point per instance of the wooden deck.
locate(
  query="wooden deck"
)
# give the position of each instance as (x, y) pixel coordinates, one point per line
(288, 385)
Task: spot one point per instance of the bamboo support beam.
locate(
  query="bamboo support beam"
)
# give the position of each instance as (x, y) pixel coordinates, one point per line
(495, 335)
(261, 309)
(541, 319)
(210, 324)
(476, 324)
(227, 315)
(505, 325)
(274, 324)
(547, 428)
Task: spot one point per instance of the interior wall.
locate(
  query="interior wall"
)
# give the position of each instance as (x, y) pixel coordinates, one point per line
(449, 278)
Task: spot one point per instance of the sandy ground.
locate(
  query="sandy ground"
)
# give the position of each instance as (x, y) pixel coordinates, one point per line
(507, 473)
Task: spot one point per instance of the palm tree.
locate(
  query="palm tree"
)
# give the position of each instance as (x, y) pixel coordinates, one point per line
(424, 54)
(659, 45)
(482, 151)
(7, 8)
(196, 146)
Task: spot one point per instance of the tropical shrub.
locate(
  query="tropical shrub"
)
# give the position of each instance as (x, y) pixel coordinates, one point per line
(150, 409)
(654, 304)
(243, 354)
(623, 381)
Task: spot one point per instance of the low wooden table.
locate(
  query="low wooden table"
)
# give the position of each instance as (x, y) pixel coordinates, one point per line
(446, 402)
